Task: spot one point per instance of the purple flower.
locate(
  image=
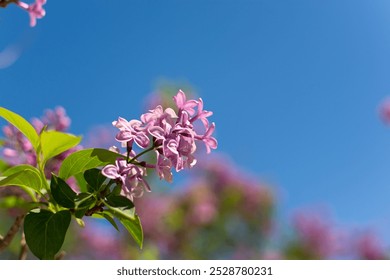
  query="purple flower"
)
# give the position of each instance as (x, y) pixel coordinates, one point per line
(56, 119)
(172, 133)
(369, 247)
(163, 167)
(131, 131)
(17, 149)
(210, 142)
(130, 177)
(202, 114)
(177, 135)
(35, 10)
(184, 105)
(317, 235)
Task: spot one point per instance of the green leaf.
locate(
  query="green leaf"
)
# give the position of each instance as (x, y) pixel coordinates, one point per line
(108, 216)
(116, 190)
(83, 160)
(84, 201)
(134, 227)
(121, 212)
(20, 123)
(95, 179)
(120, 201)
(126, 215)
(81, 182)
(62, 193)
(3, 166)
(18, 202)
(33, 182)
(28, 179)
(45, 232)
(54, 143)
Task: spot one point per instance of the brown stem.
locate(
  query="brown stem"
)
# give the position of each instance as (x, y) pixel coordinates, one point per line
(6, 240)
(4, 3)
(96, 208)
(23, 248)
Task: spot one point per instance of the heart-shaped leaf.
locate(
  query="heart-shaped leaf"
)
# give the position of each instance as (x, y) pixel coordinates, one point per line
(45, 232)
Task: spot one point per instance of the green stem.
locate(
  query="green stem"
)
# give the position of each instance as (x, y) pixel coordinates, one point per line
(142, 153)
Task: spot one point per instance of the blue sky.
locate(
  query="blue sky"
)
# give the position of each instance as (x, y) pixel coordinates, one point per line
(294, 85)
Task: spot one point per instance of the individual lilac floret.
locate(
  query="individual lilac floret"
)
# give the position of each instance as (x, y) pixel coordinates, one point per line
(131, 131)
(35, 10)
(163, 167)
(184, 105)
(129, 176)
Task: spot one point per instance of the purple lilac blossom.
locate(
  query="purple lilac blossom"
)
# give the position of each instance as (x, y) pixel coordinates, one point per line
(170, 133)
(17, 149)
(368, 247)
(130, 177)
(35, 10)
(318, 238)
(56, 119)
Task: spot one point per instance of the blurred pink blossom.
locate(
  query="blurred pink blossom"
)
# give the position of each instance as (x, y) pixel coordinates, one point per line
(368, 247)
(384, 111)
(317, 235)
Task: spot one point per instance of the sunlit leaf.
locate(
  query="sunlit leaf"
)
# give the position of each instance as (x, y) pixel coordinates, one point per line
(22, 125)
(134, 227)
(28, 179)
(83, 160)
(32, 181)
(3, 166)
(54, 143)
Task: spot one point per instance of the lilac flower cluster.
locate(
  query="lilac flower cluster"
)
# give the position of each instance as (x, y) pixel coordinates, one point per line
(170, 133)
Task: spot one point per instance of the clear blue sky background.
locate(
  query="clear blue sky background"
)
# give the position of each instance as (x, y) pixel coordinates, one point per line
(294, 85)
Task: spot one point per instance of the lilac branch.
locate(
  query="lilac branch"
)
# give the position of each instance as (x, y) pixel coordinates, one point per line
(6, 240)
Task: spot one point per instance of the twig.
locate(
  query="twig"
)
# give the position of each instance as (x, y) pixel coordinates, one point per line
(6, 240)
(23, 248)
(4, 3)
